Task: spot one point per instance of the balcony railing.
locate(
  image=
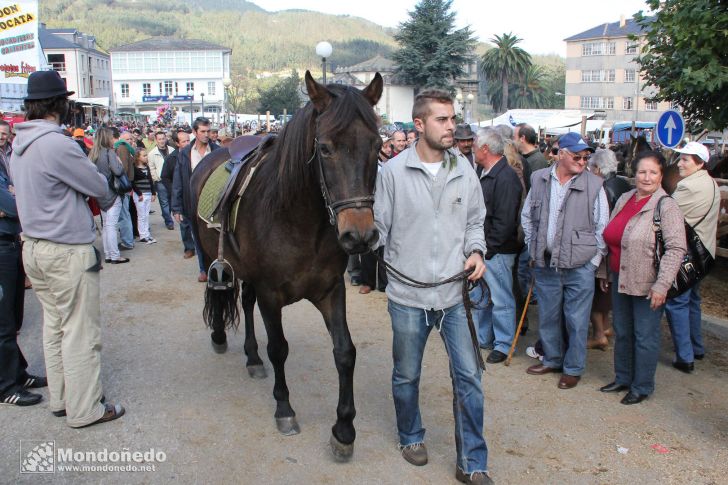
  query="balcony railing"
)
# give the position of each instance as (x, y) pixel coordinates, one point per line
(58, 66)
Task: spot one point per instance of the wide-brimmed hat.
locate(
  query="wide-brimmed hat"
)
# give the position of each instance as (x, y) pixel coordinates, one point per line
(463, 132)
(695, 148)
(573, 143)
(46, 84)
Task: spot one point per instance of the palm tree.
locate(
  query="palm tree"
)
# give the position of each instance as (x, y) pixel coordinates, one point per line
(506, 63)
(530, 91)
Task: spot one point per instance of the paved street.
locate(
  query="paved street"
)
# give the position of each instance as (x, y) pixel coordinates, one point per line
(215, 424)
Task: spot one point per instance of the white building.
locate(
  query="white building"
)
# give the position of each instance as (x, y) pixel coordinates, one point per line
(75, 55)
(185, 73)
(397, 99)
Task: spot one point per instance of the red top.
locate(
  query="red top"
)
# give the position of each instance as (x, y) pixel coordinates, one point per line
(615, 229)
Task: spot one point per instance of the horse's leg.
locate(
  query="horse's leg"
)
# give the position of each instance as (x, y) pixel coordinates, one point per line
(333, 309)
(277, 353)
(254, 363)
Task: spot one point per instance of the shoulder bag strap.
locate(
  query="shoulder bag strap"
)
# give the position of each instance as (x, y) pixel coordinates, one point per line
(656, 222)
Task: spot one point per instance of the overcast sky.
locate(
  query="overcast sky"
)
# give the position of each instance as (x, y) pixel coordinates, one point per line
(541, 24)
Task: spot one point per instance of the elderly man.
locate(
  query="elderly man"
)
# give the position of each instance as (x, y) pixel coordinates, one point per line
(157, 156)
(399, 142)
(563, 219)
(464, 140)
(502, 192)
(526, 141)
(437, 215)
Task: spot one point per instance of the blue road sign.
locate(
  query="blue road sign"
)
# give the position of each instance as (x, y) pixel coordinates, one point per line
(670, 128)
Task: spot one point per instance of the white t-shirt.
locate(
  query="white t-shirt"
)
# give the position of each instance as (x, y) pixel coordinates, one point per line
(433, 168)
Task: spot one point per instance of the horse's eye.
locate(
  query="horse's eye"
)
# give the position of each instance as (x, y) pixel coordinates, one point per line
(325, 150)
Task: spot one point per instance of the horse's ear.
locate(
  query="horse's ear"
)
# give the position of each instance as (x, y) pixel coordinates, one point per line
(374, 91)
(319, 95)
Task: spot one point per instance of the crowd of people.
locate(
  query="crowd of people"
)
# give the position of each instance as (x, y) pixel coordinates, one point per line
(556, 223)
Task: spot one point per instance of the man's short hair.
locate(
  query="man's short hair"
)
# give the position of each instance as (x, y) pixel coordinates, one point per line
(525, 130)
(200, 121)
(38, 109)
(115, 132)
(421, 106)
(489, 136)
(156, 134)
(4, 123)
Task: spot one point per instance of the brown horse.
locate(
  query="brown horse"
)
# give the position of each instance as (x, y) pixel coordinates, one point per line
(308, 204)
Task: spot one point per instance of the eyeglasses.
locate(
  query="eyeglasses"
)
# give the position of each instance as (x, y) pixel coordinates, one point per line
(576, 158)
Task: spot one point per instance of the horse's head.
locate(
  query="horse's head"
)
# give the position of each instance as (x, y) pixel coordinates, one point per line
(345, 154)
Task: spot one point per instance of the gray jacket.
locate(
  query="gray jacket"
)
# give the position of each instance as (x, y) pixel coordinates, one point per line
(428, 227)
(52, 178)
(108, 163)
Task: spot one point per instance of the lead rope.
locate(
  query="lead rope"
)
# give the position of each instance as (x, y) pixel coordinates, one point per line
(467, 302)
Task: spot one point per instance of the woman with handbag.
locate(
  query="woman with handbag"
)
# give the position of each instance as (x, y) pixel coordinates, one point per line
(108, 164)
(639, 288)
(699, 199)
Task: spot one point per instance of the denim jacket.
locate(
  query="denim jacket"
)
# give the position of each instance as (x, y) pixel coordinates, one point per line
(427, 226)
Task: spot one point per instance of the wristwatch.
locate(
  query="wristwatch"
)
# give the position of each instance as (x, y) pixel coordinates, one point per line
(478, 251)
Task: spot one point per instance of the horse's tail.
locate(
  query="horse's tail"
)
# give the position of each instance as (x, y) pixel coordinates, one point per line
(221, 307)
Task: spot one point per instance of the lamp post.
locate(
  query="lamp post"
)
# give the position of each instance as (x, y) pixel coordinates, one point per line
(459, 98)
(226, 86)
(324, 50)
(469, 112)
(202, 109)
(191, 95)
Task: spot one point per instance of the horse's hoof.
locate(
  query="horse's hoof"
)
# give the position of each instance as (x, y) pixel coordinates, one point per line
(288, 426)
(257, 371)
(341, 451)
(219, 348)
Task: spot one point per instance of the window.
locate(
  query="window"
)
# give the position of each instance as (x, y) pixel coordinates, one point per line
(627, 104)
(167, 88)
(147, 89)
(189, 87)
(597, 102)
(651, 105)
(124, 90)
(211, 88)
(630, 48)
(629, 75)
(597, 76)
(598, 48)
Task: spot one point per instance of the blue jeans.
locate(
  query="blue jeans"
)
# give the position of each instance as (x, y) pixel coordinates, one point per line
(198, 251)
(411, 327)
(636, 341)
(525, 273)
(684, 317)
(163, 199)
(496, 322)
(185, 231)
(567, 294)
(125, 228)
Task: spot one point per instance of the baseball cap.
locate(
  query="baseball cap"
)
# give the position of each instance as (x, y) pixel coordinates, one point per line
(695, 148)
(78, 132)
(573, 143)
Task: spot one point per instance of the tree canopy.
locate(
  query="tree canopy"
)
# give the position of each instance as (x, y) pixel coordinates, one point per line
(505, 64)
(285, 94)
(432, 53)
(686, 57)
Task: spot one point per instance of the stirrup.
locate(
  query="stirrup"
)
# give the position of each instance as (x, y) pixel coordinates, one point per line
(220, 275)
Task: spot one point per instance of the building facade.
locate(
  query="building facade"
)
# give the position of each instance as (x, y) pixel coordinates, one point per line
(186, 73)
(85, 69)
(602, 76)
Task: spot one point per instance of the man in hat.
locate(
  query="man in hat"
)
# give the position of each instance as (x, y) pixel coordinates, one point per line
(464, 140)
(52, 179)
(563, 218)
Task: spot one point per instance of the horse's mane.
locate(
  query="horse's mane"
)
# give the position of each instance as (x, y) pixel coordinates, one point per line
(285, 172)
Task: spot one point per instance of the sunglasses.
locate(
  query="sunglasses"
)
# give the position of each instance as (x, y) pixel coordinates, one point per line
(576, 158)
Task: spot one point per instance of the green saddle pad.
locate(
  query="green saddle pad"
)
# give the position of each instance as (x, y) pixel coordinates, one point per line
(211, 192)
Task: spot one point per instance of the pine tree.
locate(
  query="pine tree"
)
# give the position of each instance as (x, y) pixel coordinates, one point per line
(432, 53)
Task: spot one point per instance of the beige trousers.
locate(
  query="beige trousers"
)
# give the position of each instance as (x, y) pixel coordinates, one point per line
(66, 279)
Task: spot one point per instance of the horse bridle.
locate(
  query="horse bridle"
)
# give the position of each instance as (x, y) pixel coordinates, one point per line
(334, 207)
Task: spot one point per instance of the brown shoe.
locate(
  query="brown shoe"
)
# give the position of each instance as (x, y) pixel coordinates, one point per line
(540, 369)
(567, 381)
(189, 254)
(364, 290)
(415, 454)
(202, 278)
(477, 478)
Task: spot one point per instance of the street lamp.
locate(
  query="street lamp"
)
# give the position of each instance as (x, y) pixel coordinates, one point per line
(469, 112)
(324, 50)
(459, 98)
(191, 95)
(226, 86)
(202, 98)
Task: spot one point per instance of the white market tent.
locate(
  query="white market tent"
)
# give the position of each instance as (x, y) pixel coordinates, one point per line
(552, 121)
(94, 101)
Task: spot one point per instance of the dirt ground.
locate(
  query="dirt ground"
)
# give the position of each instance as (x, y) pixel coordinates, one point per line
(714, 290)
(215, 424)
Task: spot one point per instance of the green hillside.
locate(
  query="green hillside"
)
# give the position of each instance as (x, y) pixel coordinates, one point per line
(260, 40)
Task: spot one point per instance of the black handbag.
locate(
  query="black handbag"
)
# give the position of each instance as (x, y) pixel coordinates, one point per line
(697, 262)
(118, 183)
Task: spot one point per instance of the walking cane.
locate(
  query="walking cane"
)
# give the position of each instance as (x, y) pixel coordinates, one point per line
(520, 324)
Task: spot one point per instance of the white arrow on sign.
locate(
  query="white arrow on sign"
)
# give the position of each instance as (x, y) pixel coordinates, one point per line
(669, 126)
